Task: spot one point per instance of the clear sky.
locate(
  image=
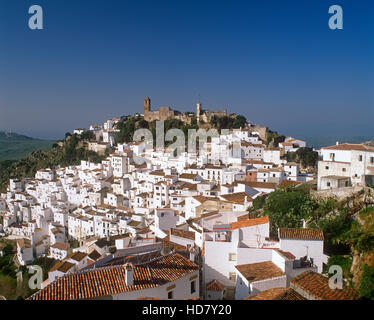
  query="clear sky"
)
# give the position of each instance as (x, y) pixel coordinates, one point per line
(276, 62)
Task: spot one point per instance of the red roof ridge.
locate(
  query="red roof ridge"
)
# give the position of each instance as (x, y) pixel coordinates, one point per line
(249, 223)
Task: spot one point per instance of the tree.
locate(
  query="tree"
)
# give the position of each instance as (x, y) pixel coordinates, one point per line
(87, 135)
(287, 208)
(258, 203)
(366, 288)
(46, 264)
(239, 122)
(344, 261)
(270, 137)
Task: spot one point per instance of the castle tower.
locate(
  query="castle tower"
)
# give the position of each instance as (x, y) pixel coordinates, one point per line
(147, 104)
(147, 108)
(198, 111)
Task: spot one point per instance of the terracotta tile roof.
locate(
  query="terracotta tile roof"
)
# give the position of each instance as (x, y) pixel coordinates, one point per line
(350, 146)
(187, 176)
(300, 233)
(103, 242)
(183, 233)
(158, 173)
(260, 271)
(166, 243)
(243, 217)
(277, 294)
(238, 197)
(94, 255)
(63, 266)
(201, 199)
(249, 222)
(256, 184)
(317, 287)
(77, 256)
(215, 285)
(288, 183)
(286, 254)
(109, 281)
(60, 246)
(24, 243)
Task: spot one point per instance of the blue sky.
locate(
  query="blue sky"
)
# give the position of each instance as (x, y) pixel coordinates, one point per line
(276, 62)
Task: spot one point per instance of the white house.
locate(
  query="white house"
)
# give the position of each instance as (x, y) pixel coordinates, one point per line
(345, 165)
(167, 277)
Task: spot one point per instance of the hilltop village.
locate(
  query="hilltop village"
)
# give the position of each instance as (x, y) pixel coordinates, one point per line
(178, 227)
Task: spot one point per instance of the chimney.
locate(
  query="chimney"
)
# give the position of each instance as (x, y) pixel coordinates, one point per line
(192, 256)
(192, 252)
(129, 274)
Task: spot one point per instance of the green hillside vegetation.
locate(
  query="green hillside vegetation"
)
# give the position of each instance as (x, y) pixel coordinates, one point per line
(14, 146)
(306, 157)
(348, 228)
(69, 152)
(130, 124)
(9, 288)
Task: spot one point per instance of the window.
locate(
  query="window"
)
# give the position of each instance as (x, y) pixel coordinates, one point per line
(232, 256)
(232, 276)
(344, 169)
(360, 158)
(193, 287)
(372, 160)
(328, 184)
(170, 294)
(327, 167)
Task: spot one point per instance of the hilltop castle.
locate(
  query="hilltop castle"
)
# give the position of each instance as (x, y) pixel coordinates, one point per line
(165, 113)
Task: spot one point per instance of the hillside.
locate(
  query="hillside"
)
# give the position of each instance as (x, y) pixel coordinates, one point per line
(70, 152)
(14, 146)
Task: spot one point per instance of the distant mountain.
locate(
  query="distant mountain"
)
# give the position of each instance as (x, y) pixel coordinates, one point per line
(318, 142)
(14, 146)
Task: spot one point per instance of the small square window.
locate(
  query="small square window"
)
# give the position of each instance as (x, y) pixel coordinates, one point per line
(232, 256)
(360, 158)
(327, 167)
(232, 276)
